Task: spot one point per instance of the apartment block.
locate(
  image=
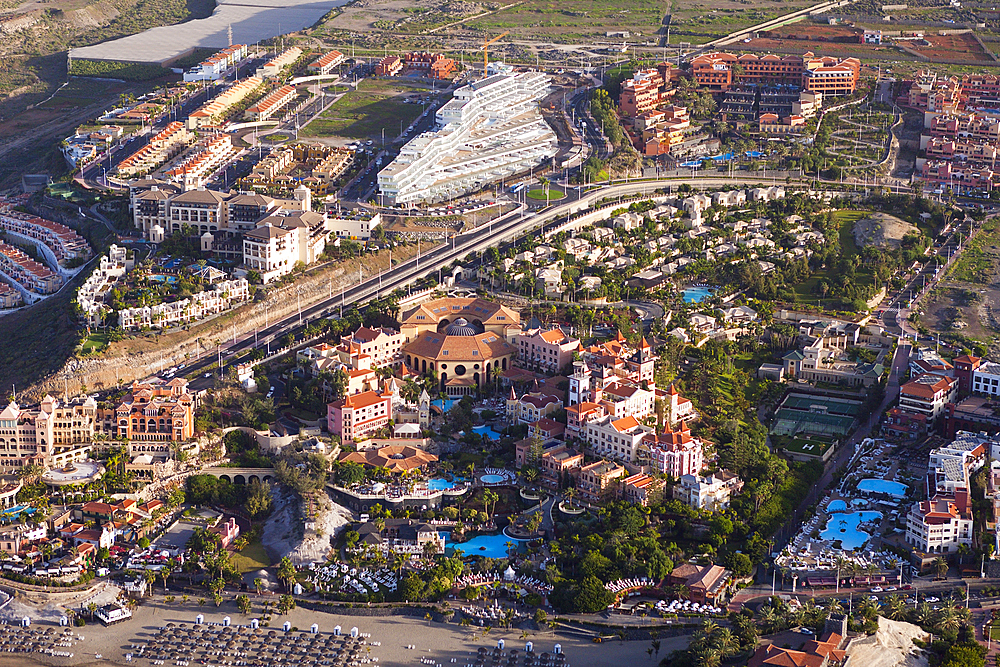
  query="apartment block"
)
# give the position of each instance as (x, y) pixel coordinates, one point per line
(280, 241)
(214, 111)
(676, 453)
(271, 104)
(647, 90)
(641, 489)
(371, 348)
(273, 67)
(17, 267)
(90, 297)
(435, 65)
(941, 524)
(10, 297)
(356, 224)
(546, 350)
(215, 66)
(326, 63)
(928, 395)
(389, 66)
(60, 243)
(206, 158)
(356, 416)
(819, 74)
(598, 481)
(711, 493)
(223, 295)
(617, 439)
(51, 434)
(986, 379)
(166, 144)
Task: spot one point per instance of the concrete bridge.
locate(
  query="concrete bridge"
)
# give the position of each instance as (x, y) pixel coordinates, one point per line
(240, 475)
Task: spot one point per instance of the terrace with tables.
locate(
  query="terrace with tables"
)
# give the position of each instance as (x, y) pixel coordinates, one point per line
(342, 578)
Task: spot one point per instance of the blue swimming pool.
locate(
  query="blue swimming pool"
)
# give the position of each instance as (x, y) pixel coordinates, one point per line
(696, 294)
(491, 479)
(725, 157)
(836, 506)
(442, 484)
(690, 164)
(444, 405)
(486, 432)
(491, 546)
(843, 526)
(882, 486)
(754, 153)
(164, 279)
(16, 510)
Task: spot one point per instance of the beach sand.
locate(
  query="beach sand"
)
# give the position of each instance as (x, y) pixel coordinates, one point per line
(439, 641)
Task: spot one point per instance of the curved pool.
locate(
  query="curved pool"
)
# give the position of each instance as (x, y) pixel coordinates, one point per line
(442, 484)
(696, 294)
(873, 485)
(836, 506)
(492, 479)
(843, 526)
(490, 546)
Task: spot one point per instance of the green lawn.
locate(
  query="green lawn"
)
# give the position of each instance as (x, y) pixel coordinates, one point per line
(847, 220)
(554, 195)
(95, 342)
(251, 559)
(365, 113)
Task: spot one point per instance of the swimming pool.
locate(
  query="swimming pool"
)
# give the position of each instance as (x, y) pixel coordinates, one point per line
(843, 526)
(696, 294)
(690, 164)
(486, 432)
(444, 405)
(754, 153)
(725, 157)
(170, 280)
(492, 479)
(442, 484)
(15, 511)
(491, 546)
(882, 486)
(836, 506)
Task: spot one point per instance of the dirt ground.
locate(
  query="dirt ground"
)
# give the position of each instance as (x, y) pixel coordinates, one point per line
(949, 310)
(815, 32)
(962, 48)
(881, 229)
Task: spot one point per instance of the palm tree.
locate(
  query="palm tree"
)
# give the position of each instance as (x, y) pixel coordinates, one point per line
(947, 620)
(941, 568)
(894, 608)
(545, 186)
(725, 641)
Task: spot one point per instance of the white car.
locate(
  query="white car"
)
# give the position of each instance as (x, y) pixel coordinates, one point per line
(890, 588)
(932, 599)
(877, 589)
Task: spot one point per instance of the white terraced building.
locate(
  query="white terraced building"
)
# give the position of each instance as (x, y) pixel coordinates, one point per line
(491, 130)
(225, 294)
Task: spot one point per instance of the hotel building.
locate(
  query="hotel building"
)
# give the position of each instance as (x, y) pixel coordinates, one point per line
(492, 129)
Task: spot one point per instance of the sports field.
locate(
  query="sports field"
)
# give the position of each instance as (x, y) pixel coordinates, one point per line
(821, 417)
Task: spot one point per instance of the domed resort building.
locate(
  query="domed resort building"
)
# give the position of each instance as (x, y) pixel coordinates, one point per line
(465, 341)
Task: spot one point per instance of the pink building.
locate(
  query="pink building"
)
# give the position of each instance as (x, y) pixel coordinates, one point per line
(549, 350)
(676, 453)
(581, 414)
(227, 531)
(356, 416)
(382, 347)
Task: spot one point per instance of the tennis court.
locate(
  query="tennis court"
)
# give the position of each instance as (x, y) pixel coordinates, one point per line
(805, 414)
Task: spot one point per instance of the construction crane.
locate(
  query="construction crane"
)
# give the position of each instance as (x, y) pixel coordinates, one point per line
(486, 44)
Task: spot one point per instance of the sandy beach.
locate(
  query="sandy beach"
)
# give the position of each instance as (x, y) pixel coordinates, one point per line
(439, 641)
